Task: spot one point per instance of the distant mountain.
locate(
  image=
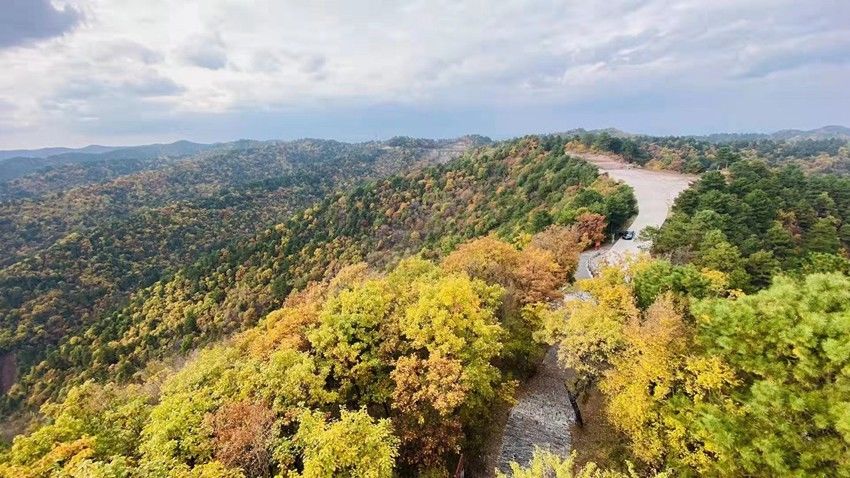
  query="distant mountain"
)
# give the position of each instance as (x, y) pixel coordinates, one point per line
(14, 167)
(825, 132)
(617, 133)
(47, 152)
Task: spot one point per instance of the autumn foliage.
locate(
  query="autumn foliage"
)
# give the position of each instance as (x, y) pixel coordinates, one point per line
(693, 374)
(364, 375)
(108, 300)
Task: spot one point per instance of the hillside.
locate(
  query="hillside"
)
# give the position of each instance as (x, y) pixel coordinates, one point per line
(71, 255)
(383, 327)
(514, 187)
(373, 373)
(755, 222)
(225, 181)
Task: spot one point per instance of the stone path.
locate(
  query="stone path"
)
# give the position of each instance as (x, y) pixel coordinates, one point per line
(541, 418)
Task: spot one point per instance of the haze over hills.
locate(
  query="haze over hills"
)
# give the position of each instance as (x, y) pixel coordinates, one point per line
(16, 166)
(47, 152)
(824, 132)
(16, 163)
(187, 147)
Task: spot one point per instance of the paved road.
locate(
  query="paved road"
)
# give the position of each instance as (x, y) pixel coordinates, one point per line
(655, 192)
(542, 416)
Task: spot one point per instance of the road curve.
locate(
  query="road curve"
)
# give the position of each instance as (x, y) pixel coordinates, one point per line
(655, 192)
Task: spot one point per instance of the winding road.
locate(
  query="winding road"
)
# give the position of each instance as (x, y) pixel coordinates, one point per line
(542, 416)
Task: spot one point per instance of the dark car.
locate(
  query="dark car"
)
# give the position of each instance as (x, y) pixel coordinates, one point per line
(628, 235)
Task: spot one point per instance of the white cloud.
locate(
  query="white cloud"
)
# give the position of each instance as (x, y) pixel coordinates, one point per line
(224, 57)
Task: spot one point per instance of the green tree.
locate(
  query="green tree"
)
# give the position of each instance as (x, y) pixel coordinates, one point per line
(715, 252)
(844, 234)
(761, 267)
(823, 237)
(781, 242)
(789, 346)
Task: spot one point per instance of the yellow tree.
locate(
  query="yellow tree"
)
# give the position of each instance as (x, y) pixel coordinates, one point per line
(565, 244)
(428, 395)
(531, 275)
(488, 259)
(545, 464)
(453, 334)
(589, 328)
(354, 446)
(656, 385)
(351, 341)
(539, 275)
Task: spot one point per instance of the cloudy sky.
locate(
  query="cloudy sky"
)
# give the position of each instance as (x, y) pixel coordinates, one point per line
(76, 72)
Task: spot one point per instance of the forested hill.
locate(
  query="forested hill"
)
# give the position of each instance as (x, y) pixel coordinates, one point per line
(511, 188)
(90, 168)
(754, 222)
(69, 255)
(221, 181)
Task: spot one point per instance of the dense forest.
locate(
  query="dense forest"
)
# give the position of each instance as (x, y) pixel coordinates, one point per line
(373, 322)
(359, 375)
(699, 380)
(697, 155)
(77, 253)
(517, 187)
(752, 222)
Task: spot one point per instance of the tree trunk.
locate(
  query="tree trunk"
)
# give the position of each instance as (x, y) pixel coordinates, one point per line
(574, 404)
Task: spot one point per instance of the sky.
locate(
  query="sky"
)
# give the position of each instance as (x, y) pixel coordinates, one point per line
(77, 72)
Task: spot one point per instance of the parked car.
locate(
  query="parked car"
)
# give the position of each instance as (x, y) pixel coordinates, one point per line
(628, 235)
